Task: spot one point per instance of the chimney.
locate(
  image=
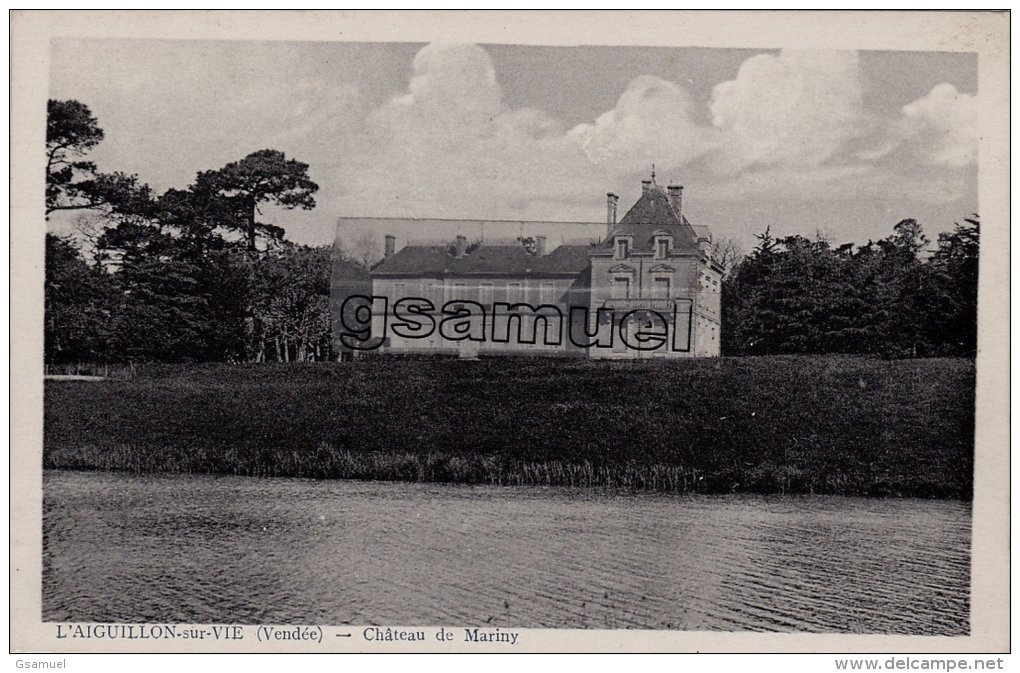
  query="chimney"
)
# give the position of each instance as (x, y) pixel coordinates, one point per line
(646, 186)
(461, 245)
(611, 201)
(391, 242)
(539, 246)
(676, 196)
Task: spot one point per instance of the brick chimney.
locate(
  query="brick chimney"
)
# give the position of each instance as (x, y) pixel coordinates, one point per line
(391, 244)
(676, 196)
(539, 246)
(461, 245)
(611, 201)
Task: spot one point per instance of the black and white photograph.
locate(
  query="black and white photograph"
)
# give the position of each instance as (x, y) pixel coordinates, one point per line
(468, 338)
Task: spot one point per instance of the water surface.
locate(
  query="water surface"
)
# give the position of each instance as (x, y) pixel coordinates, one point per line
(203, 549)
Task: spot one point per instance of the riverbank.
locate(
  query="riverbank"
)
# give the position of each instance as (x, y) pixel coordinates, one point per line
(825, 424)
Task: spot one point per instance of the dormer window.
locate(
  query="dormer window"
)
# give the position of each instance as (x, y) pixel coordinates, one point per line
(623, 246)
(663, 244)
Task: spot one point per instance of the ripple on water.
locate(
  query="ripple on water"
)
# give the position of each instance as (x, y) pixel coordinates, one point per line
(237, 550)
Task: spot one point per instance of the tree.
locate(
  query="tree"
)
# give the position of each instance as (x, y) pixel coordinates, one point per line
(746, 314)
(794, 295)
(79, 298)
(168, 285)
(365, 250)
(73, 183)
(292, 318)
(529, 244)
(162, 310)
(266, 176)
(726, 253)
(71, 131)
(913, 294)
(956, 261)
(230, 199)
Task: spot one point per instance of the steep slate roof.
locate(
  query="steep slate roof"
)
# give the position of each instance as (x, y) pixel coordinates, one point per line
(701, 230)
(652, 213)
(511, 259)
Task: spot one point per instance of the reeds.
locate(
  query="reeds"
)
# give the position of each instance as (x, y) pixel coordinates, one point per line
(328, 462)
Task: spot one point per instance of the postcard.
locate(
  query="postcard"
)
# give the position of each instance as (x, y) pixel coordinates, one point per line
(510, 332)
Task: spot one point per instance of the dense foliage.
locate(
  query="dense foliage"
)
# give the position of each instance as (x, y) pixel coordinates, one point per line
(796, 295)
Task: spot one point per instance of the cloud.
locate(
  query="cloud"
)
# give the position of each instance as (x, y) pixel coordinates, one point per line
(937, 132)
(790, 127)
(799, 130)
(433, 88)
(653, 121)
(795, 108)
(942, 126)
(452, 94)
(450, 147)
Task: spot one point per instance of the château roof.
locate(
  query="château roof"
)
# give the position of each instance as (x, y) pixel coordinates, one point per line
(501, 258)
(651, 213)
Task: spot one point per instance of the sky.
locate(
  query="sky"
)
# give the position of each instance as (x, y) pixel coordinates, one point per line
(841, 144)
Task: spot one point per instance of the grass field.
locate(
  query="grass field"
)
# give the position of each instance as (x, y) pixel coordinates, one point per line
(821, 424)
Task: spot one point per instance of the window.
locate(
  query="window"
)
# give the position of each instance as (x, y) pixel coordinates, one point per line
(662, 248)
(621, 287)
(546, 293)
(514, 293)
(660, 288)
(485, 294)
(622, 247)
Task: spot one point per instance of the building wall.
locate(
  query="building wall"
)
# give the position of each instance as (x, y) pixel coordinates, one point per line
(684, 276)
(709, 313)
(691, 279)
(561, 292)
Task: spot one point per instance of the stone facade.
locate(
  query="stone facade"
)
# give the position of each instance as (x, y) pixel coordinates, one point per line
(653, 258)
(648, 289)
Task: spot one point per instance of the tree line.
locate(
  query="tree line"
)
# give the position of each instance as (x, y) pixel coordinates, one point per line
(196, 274)
(894, 297)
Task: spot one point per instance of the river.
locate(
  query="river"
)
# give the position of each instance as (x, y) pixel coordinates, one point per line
(210, 550)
